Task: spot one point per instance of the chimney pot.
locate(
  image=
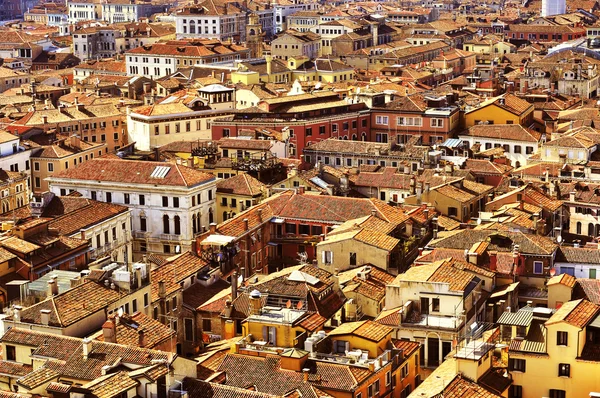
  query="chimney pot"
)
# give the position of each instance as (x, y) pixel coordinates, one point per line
(109, 331)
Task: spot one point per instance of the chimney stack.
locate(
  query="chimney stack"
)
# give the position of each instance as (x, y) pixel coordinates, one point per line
(45, 317)
(255, 302)
(52, 287)
(161, 289)
(234, 281)
(86, 347)
(141, 339)
(246, 224)
(17, 313)
(109, 331)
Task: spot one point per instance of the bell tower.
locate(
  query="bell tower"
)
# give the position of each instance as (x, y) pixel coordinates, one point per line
(254, 36)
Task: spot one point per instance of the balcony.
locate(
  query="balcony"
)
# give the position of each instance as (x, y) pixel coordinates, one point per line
(140, 234)
(170, 237)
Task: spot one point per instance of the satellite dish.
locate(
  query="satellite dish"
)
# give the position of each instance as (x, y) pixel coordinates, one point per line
(120, 312)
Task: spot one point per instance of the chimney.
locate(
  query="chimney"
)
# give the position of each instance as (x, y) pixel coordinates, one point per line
(75, 141)
(305, 374)
(213, 228)
(161, 289)
(259, 213)
(572, 196)
(52, 287)
(109, 331)
(86, 346)
(234, 281)
(246, 224)
(45, 317)
(255, 302)
(269, 60)
(17, 313)
(45, 119)
(141, 339)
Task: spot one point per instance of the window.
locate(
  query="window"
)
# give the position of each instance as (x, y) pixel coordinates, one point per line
(188, 327)
(437, 122)
(452, 212)
(381, 120)
(50, 167)
(108, 197)
(142, 199)
(146, 300)
(165, 201)
(327, 257)
(517, 149)
(11, 354)
(404, 371)
(126, 198)
(352, 258)
(564, 370)
(538, 267)
(528, 151)
(309, 131)
(134, 305)
(167, 250)
(93, 195)
(206, 325)
(558, 394)
(290, 228)
(517, 365)
(592, 273)
(143, 226)
(175, 202)
(435, 306)
(166, 228)
(304, 229)
(562, 338)
(388, 378)
(36, 166)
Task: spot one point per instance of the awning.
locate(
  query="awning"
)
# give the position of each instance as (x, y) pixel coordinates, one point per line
(278, 220)
(217, 240)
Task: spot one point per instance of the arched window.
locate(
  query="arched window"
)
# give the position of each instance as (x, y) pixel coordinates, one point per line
(354, 137)
(590, 229)
(166, 228)
(211, 217)
(363, 137)
(597, 229)
(192, 26)
(199, 222)
(578, 228)
(194, 230)
(177, 225)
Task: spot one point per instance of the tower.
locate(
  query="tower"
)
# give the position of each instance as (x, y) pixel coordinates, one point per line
(254, 36)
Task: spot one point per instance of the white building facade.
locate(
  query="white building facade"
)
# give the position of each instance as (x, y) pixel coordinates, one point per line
(167, 209)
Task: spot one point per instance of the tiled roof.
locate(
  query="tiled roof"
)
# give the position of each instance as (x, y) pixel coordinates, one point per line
(37, 378)
(365, 329)
(12, 369)
(407, 347)
(238, 143)
(94, 213)
(241, 184)
(73, 305)
(129, 326)
(111, 385)
(512, 132)
(500, 241)
(268, 377)
(203, 389)
(590, 289)
(562, 279)
(67, 358)
(373, 287)
(175, 271)
(577, 313)
(461, 387)
(134, 172)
